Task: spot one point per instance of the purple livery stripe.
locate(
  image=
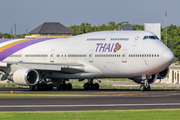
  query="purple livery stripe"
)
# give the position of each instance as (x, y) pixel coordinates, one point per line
(20, 46)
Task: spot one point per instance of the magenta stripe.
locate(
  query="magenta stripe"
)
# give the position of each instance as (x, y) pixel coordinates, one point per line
(5, 40)
(20, 46)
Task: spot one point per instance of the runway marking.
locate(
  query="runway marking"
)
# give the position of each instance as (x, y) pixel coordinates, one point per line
(93, 105)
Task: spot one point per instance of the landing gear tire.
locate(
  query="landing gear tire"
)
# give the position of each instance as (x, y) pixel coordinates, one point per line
(59, 87)
(31, 87)
(63, 86)
(69, 86)
(86, 86)
(96, 86)
(44, 87)
(91, 86)
(148, 88)
(49, 87)
(36, 87)
(142, 87)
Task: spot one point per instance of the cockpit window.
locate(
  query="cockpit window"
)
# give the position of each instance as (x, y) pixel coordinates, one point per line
(151, 37)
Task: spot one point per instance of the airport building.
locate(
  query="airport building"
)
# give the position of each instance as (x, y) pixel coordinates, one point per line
(50, 30)
(125, 27)
(174, 74)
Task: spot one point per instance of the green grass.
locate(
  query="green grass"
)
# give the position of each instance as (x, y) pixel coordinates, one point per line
(116, 79)
(157, 114)
(8, 85)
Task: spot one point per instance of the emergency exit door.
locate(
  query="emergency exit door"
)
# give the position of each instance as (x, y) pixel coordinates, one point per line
(52, 55)
(91, 55)
(124, 55)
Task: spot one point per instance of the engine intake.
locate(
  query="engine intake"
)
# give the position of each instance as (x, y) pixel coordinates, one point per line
(25, 77)
(139, 79)
(163, 74)
(152, 79)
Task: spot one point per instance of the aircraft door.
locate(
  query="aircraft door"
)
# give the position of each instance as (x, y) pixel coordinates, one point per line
(21, 56)
(124, 55)
(52, 55)
(91, 51)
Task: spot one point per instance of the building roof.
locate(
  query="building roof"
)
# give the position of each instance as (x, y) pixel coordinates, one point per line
(51, 28)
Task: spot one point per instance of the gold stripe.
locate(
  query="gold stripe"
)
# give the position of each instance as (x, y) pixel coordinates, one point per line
(11, 44)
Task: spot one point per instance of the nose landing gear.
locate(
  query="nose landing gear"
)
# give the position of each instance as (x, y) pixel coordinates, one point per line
(145, 86)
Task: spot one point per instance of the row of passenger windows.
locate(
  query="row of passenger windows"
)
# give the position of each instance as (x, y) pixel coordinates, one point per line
(95, 39)
(124, 39)
(76, 55)
(99, 39)
(144, 55)
(10, 55)
(107, 55)
(43, 55)
(71, 55)
(84, 55)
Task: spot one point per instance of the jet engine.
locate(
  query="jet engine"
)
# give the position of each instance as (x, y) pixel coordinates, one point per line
(140, 80)
(163, 74)
(25, 77)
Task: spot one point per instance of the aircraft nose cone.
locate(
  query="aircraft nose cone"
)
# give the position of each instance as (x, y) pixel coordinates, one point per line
(168, 57)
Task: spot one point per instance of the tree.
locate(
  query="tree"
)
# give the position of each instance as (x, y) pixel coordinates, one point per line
(111, 25)
(88, 28)
(5, 35)
(138, 27)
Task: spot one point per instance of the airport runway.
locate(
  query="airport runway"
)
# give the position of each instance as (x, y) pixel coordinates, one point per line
(88, 103)
(147, 100)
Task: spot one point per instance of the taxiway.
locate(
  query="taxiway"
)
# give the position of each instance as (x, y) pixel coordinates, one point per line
(115, 100)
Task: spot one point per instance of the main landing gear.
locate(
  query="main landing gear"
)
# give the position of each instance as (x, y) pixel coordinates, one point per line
(64, 86)
(145, 86)
(41, 87)
(90, 86)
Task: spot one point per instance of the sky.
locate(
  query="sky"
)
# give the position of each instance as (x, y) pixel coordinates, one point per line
(29, 14)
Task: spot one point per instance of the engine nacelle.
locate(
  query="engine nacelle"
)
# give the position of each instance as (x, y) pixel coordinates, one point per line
(139, 79)
(163, 74)
(25, 77)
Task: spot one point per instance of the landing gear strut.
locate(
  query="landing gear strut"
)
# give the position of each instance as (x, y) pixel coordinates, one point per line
(145, 86)
(90, 86)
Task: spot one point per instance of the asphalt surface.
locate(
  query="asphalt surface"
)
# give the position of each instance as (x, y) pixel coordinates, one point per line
(88, 103)
(115, 100)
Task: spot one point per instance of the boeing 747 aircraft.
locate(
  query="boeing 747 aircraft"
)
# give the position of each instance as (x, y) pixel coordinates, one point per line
(46, 63)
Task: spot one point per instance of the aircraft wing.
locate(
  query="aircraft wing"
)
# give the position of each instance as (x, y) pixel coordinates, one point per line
(62, 67)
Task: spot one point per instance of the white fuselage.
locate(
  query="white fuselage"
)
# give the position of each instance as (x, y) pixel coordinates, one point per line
(97, 52)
